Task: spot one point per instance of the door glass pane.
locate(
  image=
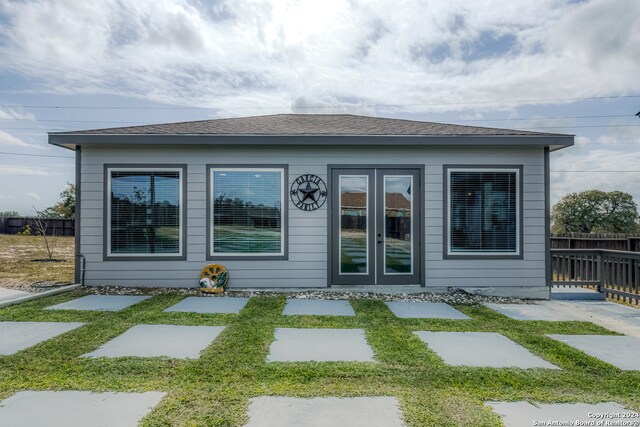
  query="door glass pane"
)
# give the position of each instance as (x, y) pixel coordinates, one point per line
(398, 206)
(354, 255)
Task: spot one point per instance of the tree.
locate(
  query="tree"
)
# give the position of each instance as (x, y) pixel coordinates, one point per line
(596, 211)
(66, 208)
(41, 227)
(8, 214)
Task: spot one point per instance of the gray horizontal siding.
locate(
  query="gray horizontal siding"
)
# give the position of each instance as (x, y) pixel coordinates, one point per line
(307, 263)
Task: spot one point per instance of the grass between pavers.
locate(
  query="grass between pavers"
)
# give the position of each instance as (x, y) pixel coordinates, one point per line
(215, 389)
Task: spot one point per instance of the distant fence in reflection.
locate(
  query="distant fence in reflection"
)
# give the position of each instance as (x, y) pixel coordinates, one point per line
(396, 227)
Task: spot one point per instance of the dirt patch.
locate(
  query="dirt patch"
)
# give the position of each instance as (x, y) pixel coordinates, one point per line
(24, 264)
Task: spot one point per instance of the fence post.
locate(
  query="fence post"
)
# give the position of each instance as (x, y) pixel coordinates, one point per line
(600, 272)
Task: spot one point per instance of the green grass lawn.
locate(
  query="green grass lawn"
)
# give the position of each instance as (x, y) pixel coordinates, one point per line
(214, 390)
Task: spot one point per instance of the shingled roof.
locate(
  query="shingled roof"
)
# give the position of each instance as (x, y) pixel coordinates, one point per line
(307, 124)
(310, 130)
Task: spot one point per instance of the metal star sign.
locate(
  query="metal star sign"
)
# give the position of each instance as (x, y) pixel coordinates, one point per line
(308, 192)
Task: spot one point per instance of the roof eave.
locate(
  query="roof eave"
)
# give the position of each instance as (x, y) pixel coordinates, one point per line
(70, 141)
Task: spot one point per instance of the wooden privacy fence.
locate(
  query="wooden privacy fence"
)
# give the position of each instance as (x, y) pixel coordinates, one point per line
(616, 273)
(612, 241)
(61, 227)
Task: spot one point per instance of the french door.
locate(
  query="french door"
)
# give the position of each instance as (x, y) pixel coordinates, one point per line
(376, 226)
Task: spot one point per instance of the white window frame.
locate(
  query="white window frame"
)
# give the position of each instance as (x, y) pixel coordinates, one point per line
(481, 253)
(180, 212)
(283, 219)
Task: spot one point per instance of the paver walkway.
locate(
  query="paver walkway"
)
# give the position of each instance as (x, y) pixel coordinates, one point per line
(100, 303)
(17, 336)
(621, 352)
(609, 315)
(310, 307)
(481, 349)
(541, 310)
(229, 305)
(76, 409)
(320, 345)
(179, 342)
(271, 411)
(425, 310)
(9, 294)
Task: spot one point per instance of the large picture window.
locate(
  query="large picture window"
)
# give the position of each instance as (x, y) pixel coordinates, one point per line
(483, 215)
(247, 207)
(144, 212)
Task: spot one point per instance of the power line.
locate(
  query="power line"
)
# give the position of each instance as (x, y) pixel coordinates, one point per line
(35, 155)
(76, 121)
(93, 107)
(546, 118)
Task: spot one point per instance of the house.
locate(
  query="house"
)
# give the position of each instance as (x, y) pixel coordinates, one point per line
(311, 201)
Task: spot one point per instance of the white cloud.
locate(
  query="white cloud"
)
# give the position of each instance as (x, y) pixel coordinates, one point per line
(243, 57)
(589, 166)
(33, 196)
(11, 114)
(8, 139)
(23, 170)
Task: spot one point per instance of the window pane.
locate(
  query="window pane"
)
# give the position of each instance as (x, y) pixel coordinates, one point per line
(398, 204)
(353, 224)
(247, 212)
(483, 212)
(145, 212)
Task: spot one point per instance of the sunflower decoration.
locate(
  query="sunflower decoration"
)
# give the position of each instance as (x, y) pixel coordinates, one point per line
(213, 279)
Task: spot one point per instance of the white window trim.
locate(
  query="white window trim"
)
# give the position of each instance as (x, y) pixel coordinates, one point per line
(180, 212)
(283, 219)
(481, 253)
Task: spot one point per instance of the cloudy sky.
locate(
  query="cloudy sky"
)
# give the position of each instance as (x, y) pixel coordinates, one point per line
(549, 65)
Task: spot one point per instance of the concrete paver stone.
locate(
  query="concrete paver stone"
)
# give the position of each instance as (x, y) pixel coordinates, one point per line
(100, 303)
(76, 409)
(481, 349)
(619, 351)
(179, 342)
(228, 305)
(321, 345)
(268, 411)
(318, 307)
(9, 294)
(545, 310)
(425, 310)
(17, 336)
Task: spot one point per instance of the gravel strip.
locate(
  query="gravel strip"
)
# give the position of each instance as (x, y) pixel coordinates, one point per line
(455, 297)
